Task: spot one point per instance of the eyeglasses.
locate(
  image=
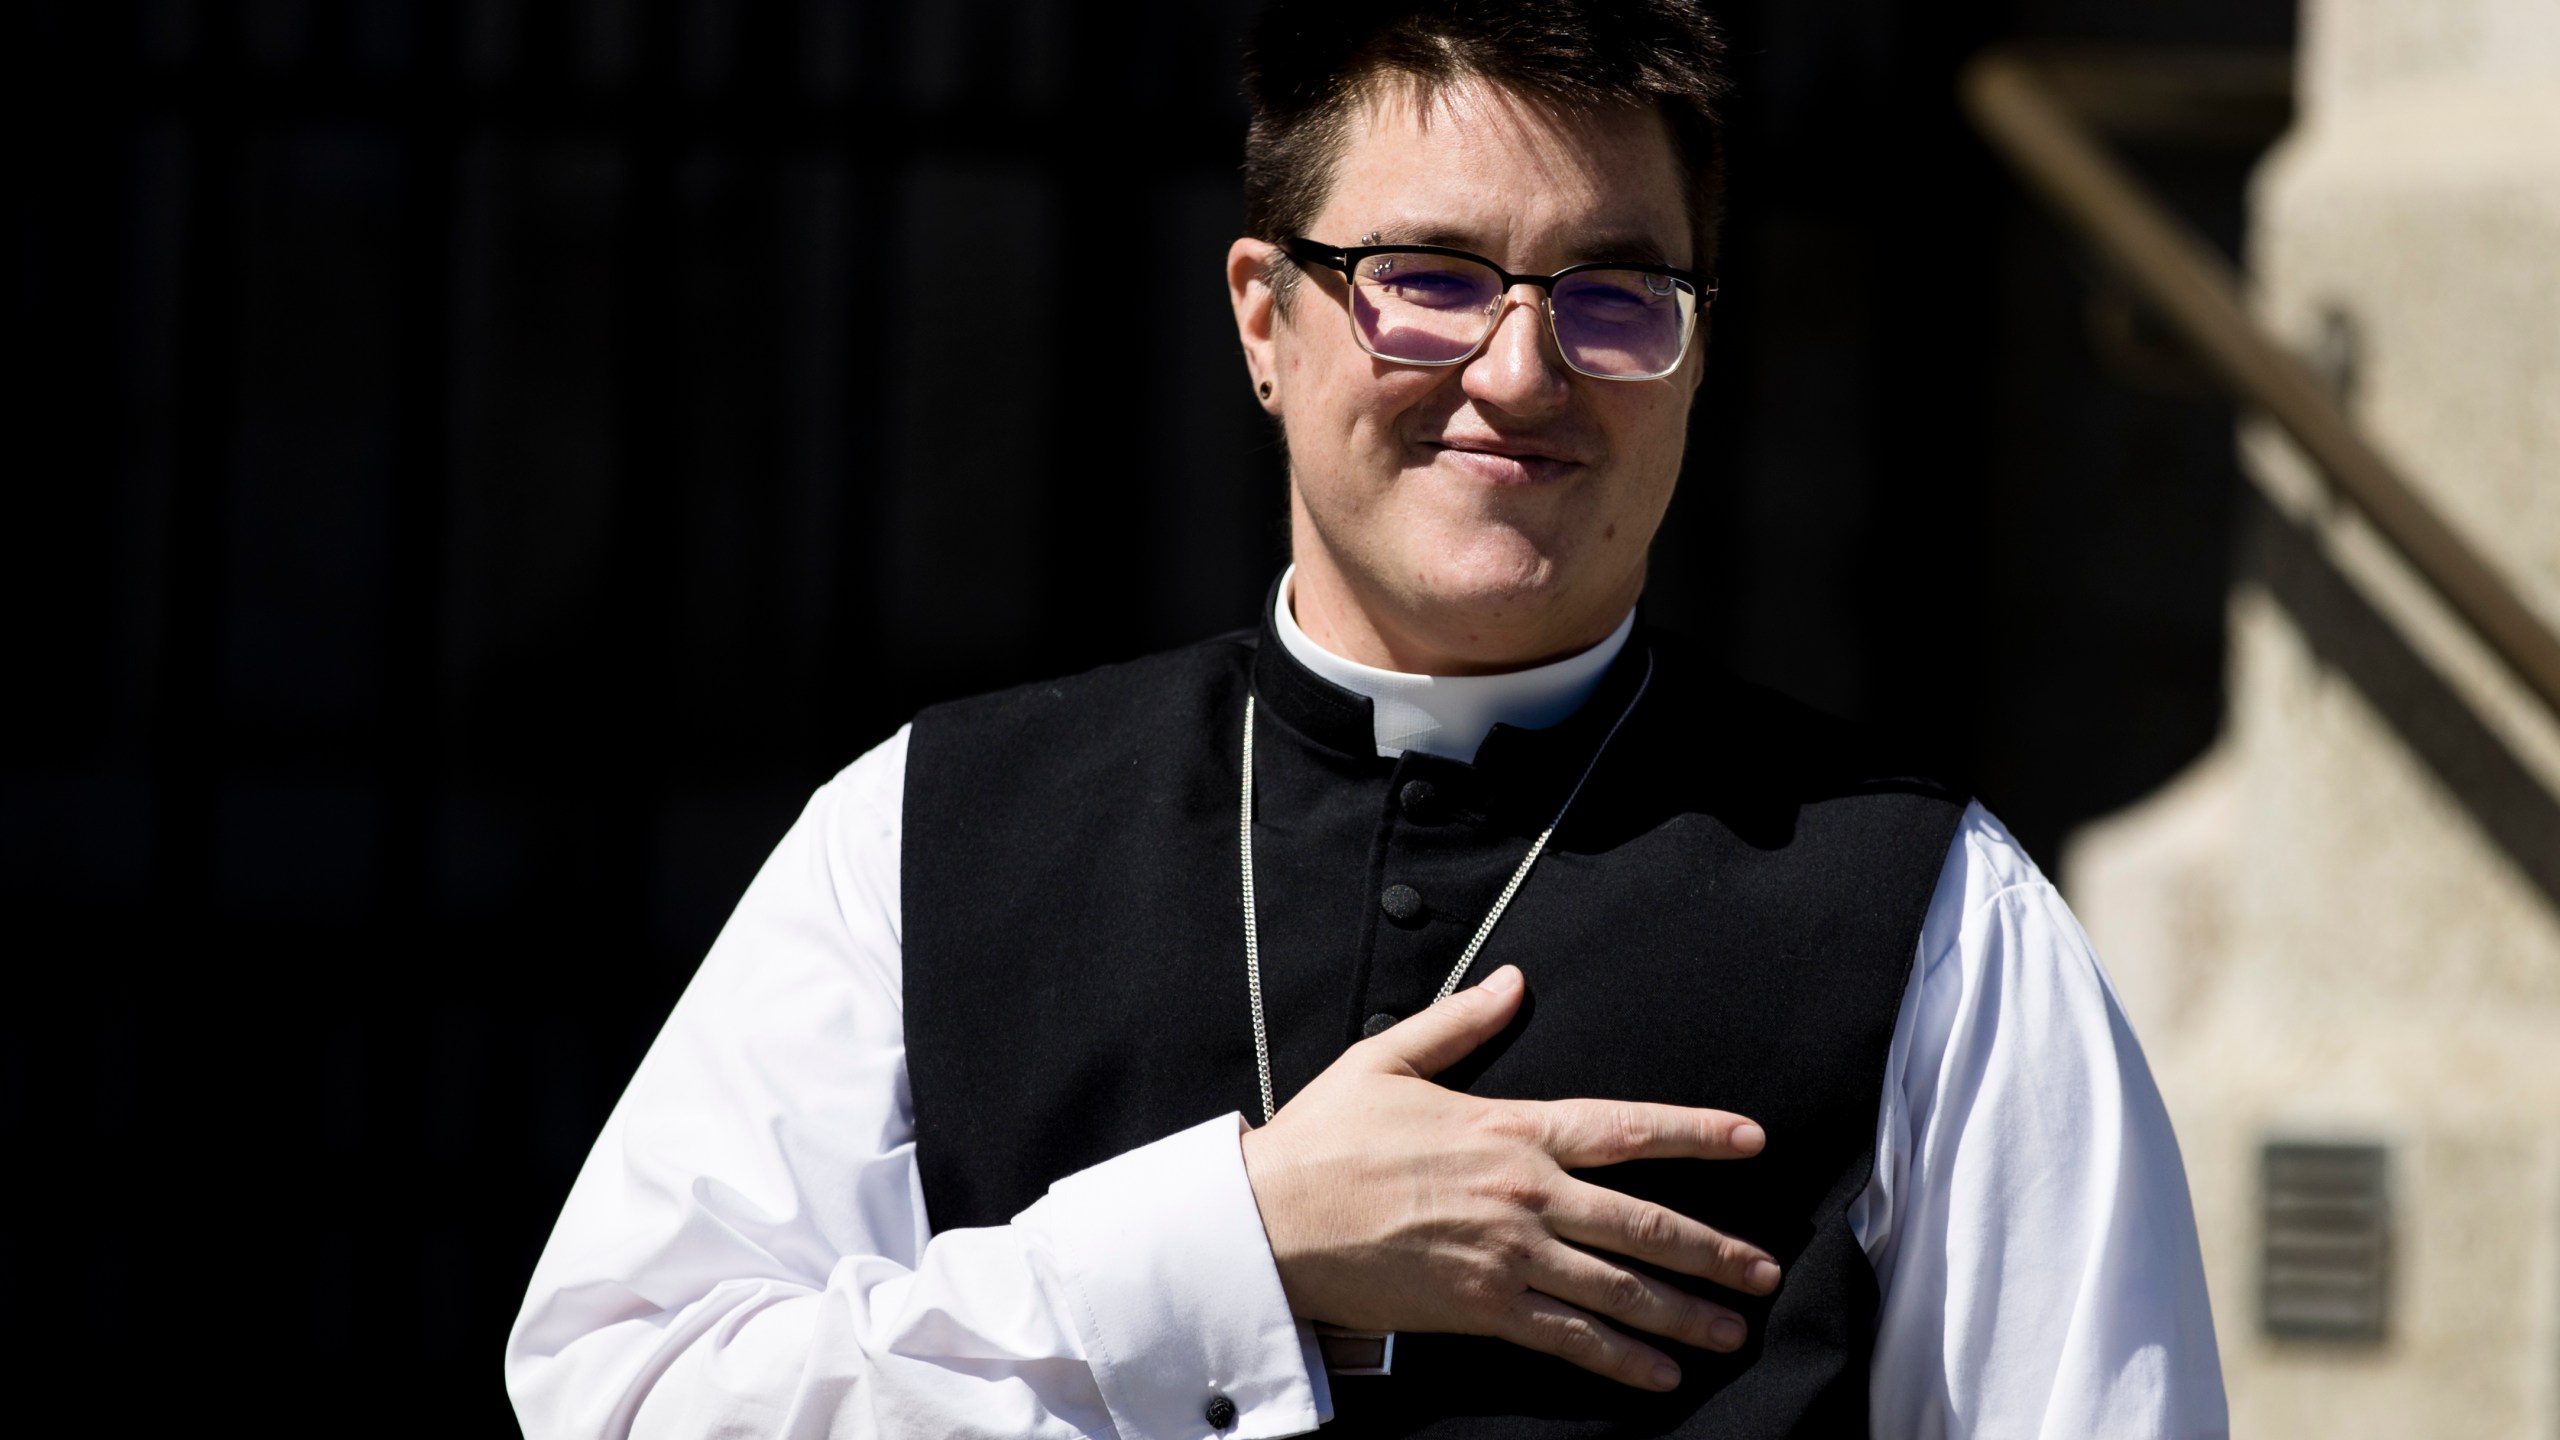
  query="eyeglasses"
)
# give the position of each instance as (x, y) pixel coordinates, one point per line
(1431, 305)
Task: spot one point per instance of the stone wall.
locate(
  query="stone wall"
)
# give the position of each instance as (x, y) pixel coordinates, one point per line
(2344, 923)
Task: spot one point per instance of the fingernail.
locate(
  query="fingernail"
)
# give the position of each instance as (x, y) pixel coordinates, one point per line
(1726, 1333)
(1747, 1136)
(1764, 1275)
(1506, 978)
(1665, 1375)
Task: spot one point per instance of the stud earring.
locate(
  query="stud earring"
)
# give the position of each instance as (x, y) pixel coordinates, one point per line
(1263, 390)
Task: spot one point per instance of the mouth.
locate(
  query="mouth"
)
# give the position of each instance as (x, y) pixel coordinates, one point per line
(1505, 462)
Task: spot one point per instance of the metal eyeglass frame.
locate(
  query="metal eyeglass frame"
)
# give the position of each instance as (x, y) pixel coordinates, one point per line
(1342, 259)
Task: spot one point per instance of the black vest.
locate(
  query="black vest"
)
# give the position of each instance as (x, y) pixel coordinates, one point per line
(1726, 918)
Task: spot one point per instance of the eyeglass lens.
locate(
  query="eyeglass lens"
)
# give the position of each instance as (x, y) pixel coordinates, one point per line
(1436, 309)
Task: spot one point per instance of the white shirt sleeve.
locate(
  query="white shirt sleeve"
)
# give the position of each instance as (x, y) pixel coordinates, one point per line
(2029, 1219)
(746, 1250)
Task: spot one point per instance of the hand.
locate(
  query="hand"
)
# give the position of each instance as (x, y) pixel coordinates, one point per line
(1393, 1203)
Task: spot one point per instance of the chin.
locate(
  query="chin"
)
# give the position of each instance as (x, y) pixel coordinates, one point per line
(1506, 575)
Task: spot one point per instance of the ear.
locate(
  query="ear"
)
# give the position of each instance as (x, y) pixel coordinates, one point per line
(1257, 312)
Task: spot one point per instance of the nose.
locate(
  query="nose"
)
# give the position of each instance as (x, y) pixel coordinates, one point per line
(1519, 369)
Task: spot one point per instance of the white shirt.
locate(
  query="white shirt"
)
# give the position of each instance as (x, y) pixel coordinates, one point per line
(746, 1250)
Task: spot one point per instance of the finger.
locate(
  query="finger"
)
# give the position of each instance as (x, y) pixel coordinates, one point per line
(1582, 1134)
(1441, 1036)
(1634, 1300)
(1603, 1219)
(1542, 1322)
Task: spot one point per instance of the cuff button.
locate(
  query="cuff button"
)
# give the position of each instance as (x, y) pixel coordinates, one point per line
(1221, 1412)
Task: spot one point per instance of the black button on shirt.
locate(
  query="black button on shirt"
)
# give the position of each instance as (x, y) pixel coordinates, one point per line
(1402, 903)
(1422, 803)
(1221, 1412)
(1375, 1024)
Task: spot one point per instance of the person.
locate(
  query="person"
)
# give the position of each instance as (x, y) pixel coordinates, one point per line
(1454, 1007)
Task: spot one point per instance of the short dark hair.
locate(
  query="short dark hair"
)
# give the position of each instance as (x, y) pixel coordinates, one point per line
(1309, 63)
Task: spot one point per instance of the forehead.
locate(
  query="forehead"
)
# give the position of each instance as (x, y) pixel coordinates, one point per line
(1528, 183)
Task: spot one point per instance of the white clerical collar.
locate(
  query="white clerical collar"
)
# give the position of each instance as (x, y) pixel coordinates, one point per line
(1449, 715)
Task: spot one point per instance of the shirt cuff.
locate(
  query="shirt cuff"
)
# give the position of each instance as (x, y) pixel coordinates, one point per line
(1163, 1257)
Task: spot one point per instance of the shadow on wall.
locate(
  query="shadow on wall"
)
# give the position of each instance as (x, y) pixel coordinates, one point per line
(2503, 795)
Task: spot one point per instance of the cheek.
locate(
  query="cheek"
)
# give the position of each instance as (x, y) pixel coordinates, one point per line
(1650, 440)
(1369, 408)
(1654, 425)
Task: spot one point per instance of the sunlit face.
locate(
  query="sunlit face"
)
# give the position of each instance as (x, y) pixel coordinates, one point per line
(1495, 513)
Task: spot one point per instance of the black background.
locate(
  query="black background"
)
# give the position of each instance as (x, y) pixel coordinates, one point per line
(473, 467)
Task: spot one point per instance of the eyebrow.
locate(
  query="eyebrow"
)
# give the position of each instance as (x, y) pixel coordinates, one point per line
(1628, 245)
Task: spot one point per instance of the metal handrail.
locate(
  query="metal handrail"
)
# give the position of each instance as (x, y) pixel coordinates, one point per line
(2013, 97)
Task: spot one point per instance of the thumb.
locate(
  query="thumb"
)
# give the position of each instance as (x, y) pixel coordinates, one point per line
(1441, 1036)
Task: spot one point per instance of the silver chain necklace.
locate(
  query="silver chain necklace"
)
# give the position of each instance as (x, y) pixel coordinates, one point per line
(1448, 987)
